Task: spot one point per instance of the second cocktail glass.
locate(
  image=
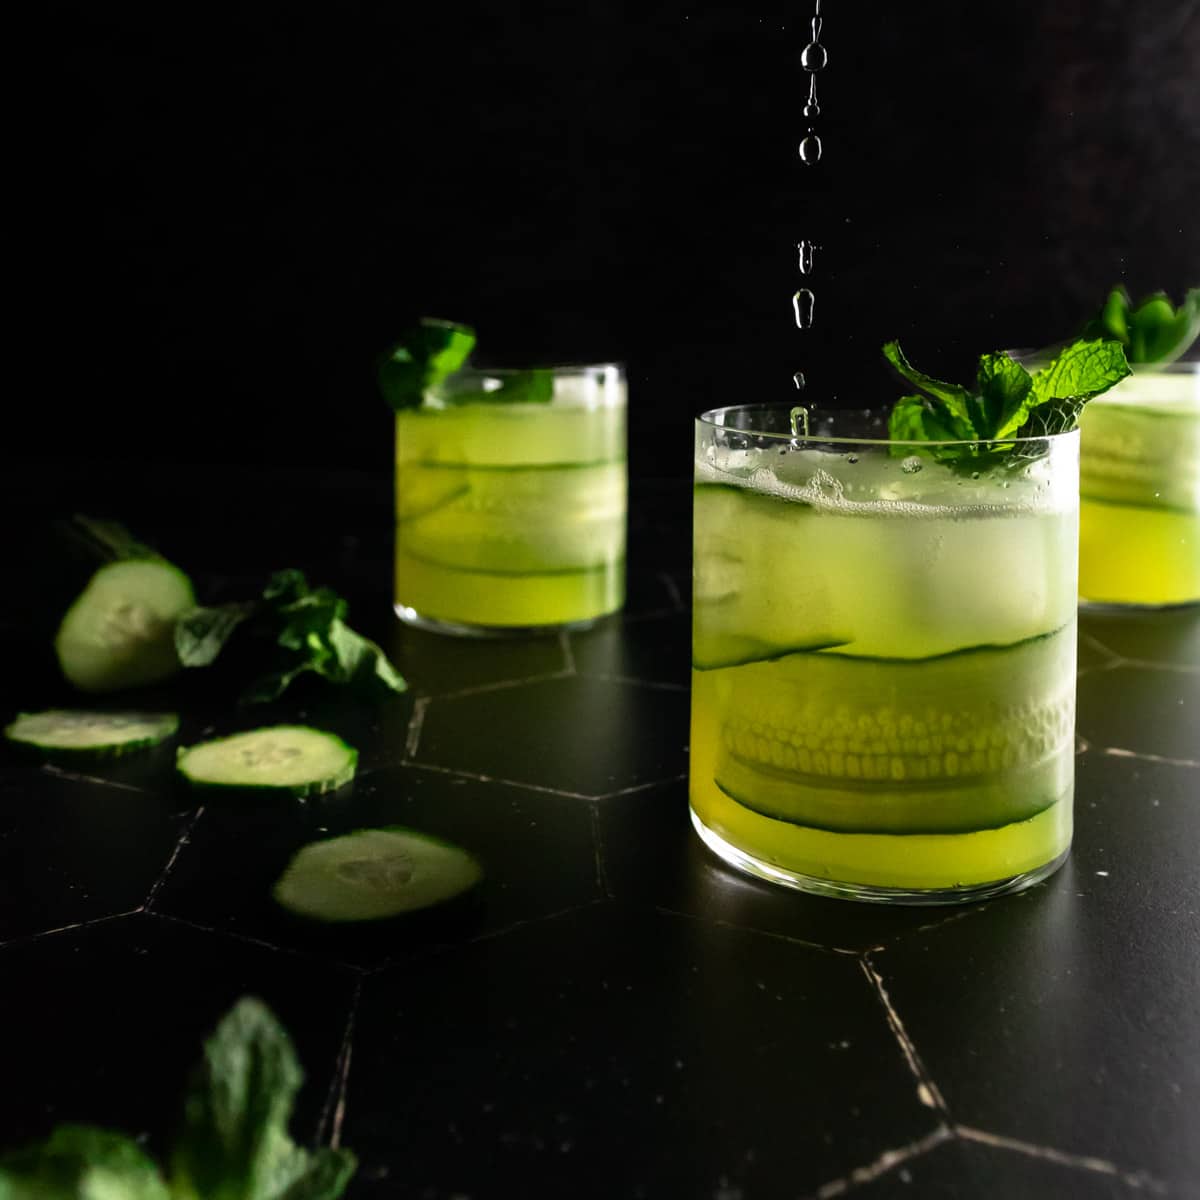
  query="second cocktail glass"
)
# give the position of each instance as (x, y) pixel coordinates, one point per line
(510, 500)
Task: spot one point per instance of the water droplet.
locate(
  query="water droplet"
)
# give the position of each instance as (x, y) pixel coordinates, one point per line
(807, 250)
(803, 303)
(974, 474)
(813, 57)
(810, 149)
(812, 108)
(911, 465)
(816, 28)
(798, 380)
(852, 458)
(799, 416)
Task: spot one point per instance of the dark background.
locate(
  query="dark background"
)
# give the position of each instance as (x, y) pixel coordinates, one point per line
(233, 211)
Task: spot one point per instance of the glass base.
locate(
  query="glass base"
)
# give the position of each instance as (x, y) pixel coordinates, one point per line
(1101, 607)
(866, 892)
(410, 616)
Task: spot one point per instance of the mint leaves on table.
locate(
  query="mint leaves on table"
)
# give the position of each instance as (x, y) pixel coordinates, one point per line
(1152, 331)
(233, 1143)
(427, 355)
(1005, 402)
(291, 630)
(433, 351)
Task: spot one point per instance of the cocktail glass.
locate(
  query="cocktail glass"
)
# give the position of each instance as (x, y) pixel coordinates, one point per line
(1139, 479)
(883, 686)
(510, 515)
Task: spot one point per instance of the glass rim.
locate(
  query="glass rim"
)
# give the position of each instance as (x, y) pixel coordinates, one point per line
(705, 419)
(1177, 366)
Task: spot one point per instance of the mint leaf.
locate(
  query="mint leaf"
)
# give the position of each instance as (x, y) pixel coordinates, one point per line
(291, 631)
(1004, 388)
(325, 1178)
(78, 1162)
(914, 420)
(201, 632)
(1081, 371)
(1006, 403)
(234, 1144)
(948, 401)
(426, 355)
(1152, 331)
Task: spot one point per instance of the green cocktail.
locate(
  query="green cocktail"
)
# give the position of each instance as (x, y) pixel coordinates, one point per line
(883, 657)
(510, 499)
(1139, 516)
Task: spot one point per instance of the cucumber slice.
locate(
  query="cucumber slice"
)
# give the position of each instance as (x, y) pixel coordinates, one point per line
(291, 759)
(119, 632)
(74, 732)
(973, 740)
(373, 874)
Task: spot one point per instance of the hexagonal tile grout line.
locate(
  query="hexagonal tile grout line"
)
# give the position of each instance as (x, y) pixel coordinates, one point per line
(43, 933)
(1081, 1162)
(333, 1112)
(80, 777)
(927, 1090)
(888, 1161)
(184, 837)
(930, 1095)
(1117, 752)
(324, 959)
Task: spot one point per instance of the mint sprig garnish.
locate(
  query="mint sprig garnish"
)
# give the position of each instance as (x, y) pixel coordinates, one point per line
(1152, 331)
(424, 358)
(430, 354)
(1005, 402)
(291, 630)
(233, 1145)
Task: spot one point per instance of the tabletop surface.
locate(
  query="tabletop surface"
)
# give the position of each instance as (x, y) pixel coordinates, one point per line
(617, 1013)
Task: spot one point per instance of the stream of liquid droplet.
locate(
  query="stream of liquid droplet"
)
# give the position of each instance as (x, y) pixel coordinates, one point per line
(803, 303)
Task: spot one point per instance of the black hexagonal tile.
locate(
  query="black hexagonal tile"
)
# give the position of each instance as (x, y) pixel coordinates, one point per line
(586, 737)
(1022, 1013)
(651, 854)
(654, 651)
(1143, 710)
(537, 851)
(1170, 635)
(72, 851)
(107, 1021)
(616, 1052)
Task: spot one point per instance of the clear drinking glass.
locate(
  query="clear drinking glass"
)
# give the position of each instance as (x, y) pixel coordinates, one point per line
(510, 500)
(883, 685)
(1139, 478)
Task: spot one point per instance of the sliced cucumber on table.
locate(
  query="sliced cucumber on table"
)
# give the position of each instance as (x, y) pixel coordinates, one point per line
(373, 874)
(119, 629)
(288, 759)
(77, 732)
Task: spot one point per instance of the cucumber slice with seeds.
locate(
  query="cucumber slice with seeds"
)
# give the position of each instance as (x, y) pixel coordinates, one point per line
(295, 760)
(79, 733)
(119, 631)
(374, 874)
